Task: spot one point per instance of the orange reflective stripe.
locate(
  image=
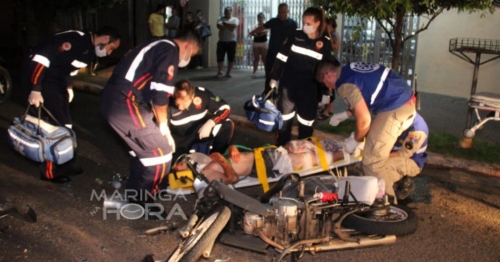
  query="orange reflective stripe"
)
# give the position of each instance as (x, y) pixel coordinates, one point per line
(38, 74)
(145, 82)
(138, 113)
(222, 116)
(48, 171)
(140, 79)
(164, 167)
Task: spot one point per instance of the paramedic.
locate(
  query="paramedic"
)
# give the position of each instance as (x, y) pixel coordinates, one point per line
(136, 94)
(194, 115)
(46, 79)
(295, 62)
(371, 88)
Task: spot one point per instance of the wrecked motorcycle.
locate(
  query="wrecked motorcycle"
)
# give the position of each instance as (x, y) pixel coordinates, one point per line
(297, 215)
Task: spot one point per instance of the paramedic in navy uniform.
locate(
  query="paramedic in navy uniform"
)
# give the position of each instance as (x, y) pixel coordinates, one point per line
(294, 67)
(135, 101)
(196, 114)
(46, 79)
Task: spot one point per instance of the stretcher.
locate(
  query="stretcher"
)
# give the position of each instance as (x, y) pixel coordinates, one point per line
(483, 101)
(263, 180)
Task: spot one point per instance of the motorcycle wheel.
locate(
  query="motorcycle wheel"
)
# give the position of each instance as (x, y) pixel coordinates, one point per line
(399, 220)
(202, 236)
(5, 85)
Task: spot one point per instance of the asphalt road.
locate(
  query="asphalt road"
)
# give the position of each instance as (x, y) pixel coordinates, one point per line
(456, 222)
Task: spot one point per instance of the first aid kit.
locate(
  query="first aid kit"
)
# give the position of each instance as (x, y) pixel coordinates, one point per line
(40, 141)
(263, 113)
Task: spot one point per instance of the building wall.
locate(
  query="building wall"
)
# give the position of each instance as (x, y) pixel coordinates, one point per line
(441, 72)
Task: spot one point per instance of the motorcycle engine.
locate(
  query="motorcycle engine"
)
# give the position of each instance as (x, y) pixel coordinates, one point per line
(284, 224)
(281, 225)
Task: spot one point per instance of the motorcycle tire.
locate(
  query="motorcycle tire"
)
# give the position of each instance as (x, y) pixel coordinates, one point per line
(205, 233)
(5, 85)
(401, 221)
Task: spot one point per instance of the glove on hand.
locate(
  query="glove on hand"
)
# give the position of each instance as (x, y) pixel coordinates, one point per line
(165, 131)
(273, 83)
(206, 128)
(350, 144)
(71, 94)
(337, 118)
(35, 98)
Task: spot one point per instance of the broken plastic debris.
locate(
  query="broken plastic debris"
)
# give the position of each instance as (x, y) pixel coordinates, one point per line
(156, 230)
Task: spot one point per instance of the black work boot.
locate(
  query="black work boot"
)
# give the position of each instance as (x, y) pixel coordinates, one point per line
(404, 187)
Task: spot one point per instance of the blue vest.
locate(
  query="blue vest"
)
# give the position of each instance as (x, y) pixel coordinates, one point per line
(418, 125)
(383, 89)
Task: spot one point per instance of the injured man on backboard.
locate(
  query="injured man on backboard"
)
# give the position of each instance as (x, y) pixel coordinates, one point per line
(295, 156)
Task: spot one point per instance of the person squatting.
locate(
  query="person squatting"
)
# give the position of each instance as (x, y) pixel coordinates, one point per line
(368, 88)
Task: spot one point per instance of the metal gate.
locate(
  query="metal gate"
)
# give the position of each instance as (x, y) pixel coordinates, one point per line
(365, 40)
(246, 11)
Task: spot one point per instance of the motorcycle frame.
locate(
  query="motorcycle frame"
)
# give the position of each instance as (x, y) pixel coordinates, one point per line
(217, 194)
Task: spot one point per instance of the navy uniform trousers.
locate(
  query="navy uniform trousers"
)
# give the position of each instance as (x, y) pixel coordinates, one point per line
(150, 152)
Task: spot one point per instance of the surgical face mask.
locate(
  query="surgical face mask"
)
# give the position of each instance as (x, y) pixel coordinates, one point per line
(308, 29)
(184, 62)
(100, 52)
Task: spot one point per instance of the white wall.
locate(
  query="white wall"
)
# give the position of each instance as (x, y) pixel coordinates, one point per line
(441, 72)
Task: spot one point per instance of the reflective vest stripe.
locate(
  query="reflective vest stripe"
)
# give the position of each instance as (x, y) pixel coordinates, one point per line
(380, 84)
(307, 52)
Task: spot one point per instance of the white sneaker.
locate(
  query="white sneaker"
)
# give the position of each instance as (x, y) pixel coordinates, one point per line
(254, 76)
(220, 74)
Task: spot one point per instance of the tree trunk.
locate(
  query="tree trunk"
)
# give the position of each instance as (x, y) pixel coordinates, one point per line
(398, 38)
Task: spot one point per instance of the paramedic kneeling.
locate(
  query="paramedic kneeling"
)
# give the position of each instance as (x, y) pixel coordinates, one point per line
(196, 116)
(371, 88)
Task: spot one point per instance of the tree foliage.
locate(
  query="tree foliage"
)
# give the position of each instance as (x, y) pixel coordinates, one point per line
(390, 14)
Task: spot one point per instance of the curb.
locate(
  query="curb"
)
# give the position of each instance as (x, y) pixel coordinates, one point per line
(434, 159)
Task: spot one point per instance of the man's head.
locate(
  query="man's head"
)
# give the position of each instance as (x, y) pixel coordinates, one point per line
(106, 40)
(160, 9)
(283, 11)
(331, 24)
(189, 45)
(183, 94)
(326, 72)
(189, 16)
(228, 12)
(174, 12)
(199, 14)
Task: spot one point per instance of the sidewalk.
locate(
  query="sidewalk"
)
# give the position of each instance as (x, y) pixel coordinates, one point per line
(442, 113)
